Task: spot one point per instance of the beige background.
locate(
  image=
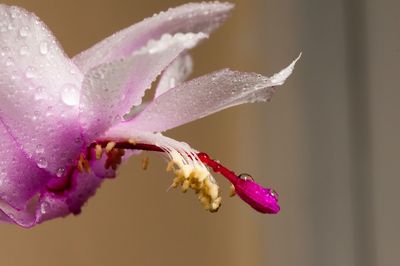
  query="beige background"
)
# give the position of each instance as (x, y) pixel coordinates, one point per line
(328, 143)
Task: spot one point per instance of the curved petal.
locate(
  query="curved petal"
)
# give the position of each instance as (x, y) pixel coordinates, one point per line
(110, 90)
(203, 96)
(192, 17)
(39, 89)
(20, 178)
(175, 74)
(53, 206)
(47, 205)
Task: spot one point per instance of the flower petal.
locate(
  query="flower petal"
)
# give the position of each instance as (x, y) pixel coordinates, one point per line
(39, 90)
(175, 74)
(203, 96)
(84, 186)
(53, 206)
(192, 17)
(20, 178)
(47, 205)
(110, 90)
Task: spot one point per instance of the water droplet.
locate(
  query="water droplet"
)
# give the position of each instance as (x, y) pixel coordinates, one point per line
(274, 193)
(30, 72)
(117, 118)
(40, 93)
(11, 26)
(24, 31)
(44, 207)
(39, 148)
(15, 12)
(42, 163)
(245, 177)
(5, 50)
(9, 62)
(43, 48)
(23, 50)
(70, 94)
(60, 172)
(14, 75)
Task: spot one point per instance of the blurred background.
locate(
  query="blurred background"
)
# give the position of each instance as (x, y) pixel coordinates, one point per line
(328, 143)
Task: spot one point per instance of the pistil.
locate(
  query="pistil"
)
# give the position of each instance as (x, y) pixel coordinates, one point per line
(262, 199)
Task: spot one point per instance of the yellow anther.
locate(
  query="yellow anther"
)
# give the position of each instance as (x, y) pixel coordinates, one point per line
(110, 146)
(83, 164)
(185, 185)
(99, 151)
(145, 163)
(232, 191)
(79, 166)
(132, 141)
(170, 166)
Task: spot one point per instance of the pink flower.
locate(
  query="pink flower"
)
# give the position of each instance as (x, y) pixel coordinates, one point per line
(66, 124)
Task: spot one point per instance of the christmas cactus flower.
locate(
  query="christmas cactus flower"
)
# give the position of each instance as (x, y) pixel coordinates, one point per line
(66, 124)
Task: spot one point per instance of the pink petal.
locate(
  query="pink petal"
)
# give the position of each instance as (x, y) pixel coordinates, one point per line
(110, 90)
(175, 74)
(192, 17)
(84, 185)
(53, 206)
(20, 178)
(47, 205)
(203, 96)
(25, 218)
(39, 92)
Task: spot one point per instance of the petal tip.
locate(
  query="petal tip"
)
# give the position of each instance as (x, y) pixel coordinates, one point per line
(280, 77)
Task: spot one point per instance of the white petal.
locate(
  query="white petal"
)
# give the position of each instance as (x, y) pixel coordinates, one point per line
(192, 17)
(110, 90)
(203, 96)
(39, 86)
(175, 74)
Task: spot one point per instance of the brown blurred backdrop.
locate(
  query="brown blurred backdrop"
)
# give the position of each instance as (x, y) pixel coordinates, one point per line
(328, 143)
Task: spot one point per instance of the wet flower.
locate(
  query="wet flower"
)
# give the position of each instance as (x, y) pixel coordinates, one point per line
(67, 124)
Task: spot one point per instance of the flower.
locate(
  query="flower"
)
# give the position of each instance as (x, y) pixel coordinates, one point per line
(66, 124)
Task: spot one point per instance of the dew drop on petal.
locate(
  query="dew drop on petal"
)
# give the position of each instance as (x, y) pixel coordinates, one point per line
(70, 94)
(42, 163)
(39, 148)
(60, 172)
(9, 62)
(23, 50)
(44, 207)
(43, 48)
(40, 93)
(30, 72)
(24, 31)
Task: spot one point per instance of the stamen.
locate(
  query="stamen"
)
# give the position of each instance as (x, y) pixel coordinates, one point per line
(145, 163)
(99, 151)
(83, 164)
(191, 173)
(110, 146)
(170, 166)
(232, 191)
